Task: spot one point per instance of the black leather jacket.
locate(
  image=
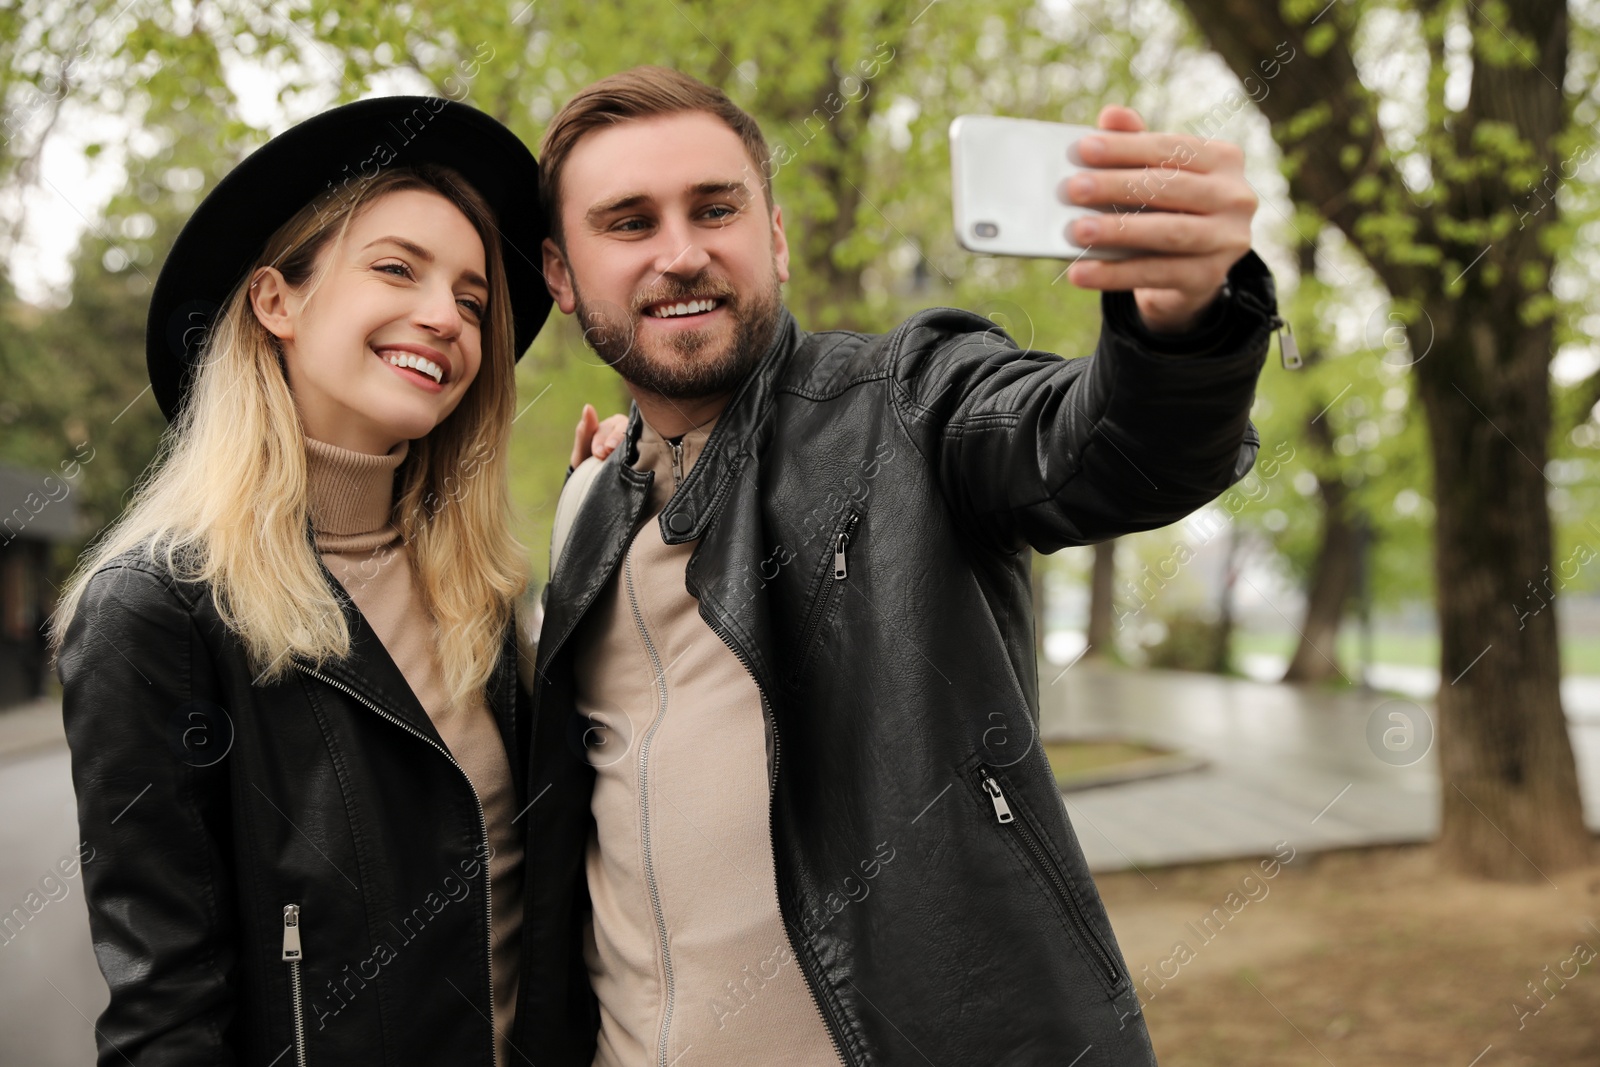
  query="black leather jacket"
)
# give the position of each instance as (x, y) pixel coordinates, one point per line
(214, 805)
(865, 506)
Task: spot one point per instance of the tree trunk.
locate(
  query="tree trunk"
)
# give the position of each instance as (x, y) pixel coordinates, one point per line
(1510, 803)
(1222, 648)
(1102, 600)
(1316, 657)
(1511, 807)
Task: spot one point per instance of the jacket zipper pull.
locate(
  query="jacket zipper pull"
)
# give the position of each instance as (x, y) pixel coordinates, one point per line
(291, 931)
(839, 542)
(1002, 810)
(1287, 349)
(677, 463)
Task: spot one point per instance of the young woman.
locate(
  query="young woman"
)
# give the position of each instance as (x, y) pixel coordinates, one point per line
(297, 741)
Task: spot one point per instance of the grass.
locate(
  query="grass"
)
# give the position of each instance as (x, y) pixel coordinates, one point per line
(1072, 758)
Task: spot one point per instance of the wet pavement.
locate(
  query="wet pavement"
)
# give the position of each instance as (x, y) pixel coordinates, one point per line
(1319, 770)
(50, 987)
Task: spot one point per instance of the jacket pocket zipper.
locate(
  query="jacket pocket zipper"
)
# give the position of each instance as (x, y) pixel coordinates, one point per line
(1025, 833)
(824, 590)
(291, 956)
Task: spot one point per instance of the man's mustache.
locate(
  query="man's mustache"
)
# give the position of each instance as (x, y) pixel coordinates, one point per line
(688, 290)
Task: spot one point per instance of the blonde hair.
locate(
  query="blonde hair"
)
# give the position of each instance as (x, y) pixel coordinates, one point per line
(225, 503)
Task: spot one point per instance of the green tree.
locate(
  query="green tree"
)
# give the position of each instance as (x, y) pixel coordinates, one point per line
(1458, 218)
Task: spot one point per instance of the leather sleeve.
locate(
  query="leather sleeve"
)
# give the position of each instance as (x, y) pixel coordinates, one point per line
(153, 804)
(1033, 449)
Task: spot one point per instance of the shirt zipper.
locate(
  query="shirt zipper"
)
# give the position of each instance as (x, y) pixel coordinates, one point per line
(291, 955)
(677, 462)
(828, 1021)
(483, 826)
(652, 887)
(1041, 859)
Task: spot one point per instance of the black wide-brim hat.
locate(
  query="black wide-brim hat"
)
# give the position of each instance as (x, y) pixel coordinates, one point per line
(338, 150)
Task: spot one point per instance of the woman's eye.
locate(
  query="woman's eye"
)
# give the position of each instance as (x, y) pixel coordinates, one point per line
(472, 306)
(399, 270)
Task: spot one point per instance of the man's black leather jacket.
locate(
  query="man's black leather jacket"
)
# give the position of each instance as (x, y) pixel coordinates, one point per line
(214, 804)
(865, 507)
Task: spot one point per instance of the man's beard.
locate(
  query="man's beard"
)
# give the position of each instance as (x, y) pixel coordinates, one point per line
(692, 368)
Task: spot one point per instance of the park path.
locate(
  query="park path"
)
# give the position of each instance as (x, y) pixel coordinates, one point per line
(1284, 764)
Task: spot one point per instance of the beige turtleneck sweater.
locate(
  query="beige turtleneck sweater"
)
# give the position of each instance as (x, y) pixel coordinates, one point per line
(352, 496)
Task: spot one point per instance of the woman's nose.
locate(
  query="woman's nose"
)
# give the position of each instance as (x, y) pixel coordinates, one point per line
(439, 312)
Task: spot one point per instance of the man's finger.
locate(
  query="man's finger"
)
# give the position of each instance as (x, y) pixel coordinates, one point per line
(1201, 194)
(1187, 274)
(1163, 151)
(1118, 117)
(1171, 233)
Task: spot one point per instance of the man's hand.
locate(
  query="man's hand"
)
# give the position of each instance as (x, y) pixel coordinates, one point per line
(596, 438)
(1198, 215)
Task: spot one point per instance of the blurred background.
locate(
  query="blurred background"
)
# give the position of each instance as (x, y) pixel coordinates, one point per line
(1373, 666)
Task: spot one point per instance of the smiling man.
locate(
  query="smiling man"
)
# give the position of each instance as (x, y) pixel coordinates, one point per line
(790, 809)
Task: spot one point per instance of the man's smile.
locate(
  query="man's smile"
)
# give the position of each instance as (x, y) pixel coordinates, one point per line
(695, 310)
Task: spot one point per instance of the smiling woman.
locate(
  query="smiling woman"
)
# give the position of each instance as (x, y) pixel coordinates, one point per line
(320, 568)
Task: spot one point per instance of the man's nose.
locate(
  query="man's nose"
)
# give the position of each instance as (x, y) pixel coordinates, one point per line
(680, 250)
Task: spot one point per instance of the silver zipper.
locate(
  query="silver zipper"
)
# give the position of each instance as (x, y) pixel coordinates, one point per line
(828, 1022)
(291, 955)
(1002, 810)
(839, 541)
(1041, 860)
(483, 826)
(677, 463)
(1287, 349)
(652, 887)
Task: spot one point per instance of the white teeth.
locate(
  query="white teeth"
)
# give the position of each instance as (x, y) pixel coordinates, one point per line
(416, 363)
(694, 307)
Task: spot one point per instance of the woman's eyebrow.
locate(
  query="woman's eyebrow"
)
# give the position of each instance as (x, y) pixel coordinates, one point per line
(472, 277)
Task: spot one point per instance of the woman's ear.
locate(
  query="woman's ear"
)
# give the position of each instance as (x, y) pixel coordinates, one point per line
(556, 278)
(269, 298)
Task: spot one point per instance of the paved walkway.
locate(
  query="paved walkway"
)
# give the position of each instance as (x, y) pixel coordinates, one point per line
(1284, 765)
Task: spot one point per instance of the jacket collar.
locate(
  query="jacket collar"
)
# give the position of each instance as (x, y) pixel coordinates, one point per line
(619, 496)
(372, 674)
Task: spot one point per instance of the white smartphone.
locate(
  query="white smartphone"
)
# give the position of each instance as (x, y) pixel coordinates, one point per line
(1005, 175)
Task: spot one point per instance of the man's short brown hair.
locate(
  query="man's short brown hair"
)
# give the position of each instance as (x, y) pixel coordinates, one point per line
(643, 92)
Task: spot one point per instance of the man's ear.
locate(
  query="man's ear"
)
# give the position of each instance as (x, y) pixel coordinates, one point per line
(557, 279)
(269, 299)
(780, 244)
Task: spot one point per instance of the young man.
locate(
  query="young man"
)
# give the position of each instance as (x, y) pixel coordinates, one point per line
(789, 808)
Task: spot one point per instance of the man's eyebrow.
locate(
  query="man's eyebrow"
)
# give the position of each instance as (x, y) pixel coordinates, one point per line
(471, 277)
(628, 200)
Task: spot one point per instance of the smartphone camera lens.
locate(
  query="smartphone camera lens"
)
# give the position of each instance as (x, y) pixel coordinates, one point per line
(985, 229)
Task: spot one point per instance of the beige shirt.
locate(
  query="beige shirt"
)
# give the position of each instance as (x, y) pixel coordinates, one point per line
(352, 495)
(686, 949)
